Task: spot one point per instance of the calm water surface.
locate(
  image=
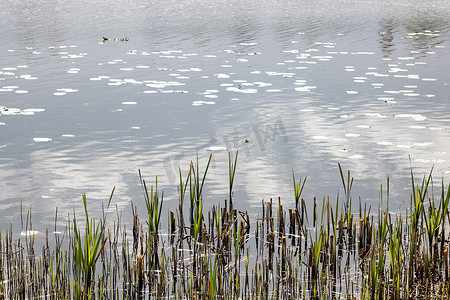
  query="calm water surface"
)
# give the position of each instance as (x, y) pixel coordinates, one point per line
(307, 83)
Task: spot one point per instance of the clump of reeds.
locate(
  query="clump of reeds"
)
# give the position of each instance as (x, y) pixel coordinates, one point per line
(288, 252)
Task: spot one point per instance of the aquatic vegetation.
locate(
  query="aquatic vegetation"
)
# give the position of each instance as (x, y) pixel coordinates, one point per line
(336, 252)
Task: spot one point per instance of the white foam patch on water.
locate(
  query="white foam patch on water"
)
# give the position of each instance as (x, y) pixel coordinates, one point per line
(363, 126)
(413, 76)
(356, 156)
(319, 137)
(282, 74)
(306, 110)
(10, 111)
(209, 56)
(424, 144)
(67, 90)
(68, 135)
(11, 87)
(262, 84)
(376, 115)
(222, 76)
(73, 70)
(129, 103)
(273, 90)
(150, 92)
(21, 92)
(59, 93)
(136, 127)
(436, 128)
(216, 148)
(29, 232)
(404, 146)
(333, 108)
(41, 139)
(199, 103)
(352, 92)
(417, 127)
(211, 96)
(307, 88)
(133, 81)
(28, 77)
(26, 113)
(384, 143)
(352, 135)
(415, 117)
(429, 79)
(395, 70)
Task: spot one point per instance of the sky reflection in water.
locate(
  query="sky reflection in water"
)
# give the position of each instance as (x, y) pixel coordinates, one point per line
(308, 84)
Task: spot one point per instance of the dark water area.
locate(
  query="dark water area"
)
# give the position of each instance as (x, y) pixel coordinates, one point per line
(309, 84)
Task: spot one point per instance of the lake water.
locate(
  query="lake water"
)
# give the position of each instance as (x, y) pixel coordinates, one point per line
(297, 85)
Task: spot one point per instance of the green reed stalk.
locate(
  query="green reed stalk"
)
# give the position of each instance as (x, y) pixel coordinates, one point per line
(298, 188)
(347, 187)
(395, 254)
(231, 173)
(182, 190)
(153, 203)
(212, 277)
(87, 251)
